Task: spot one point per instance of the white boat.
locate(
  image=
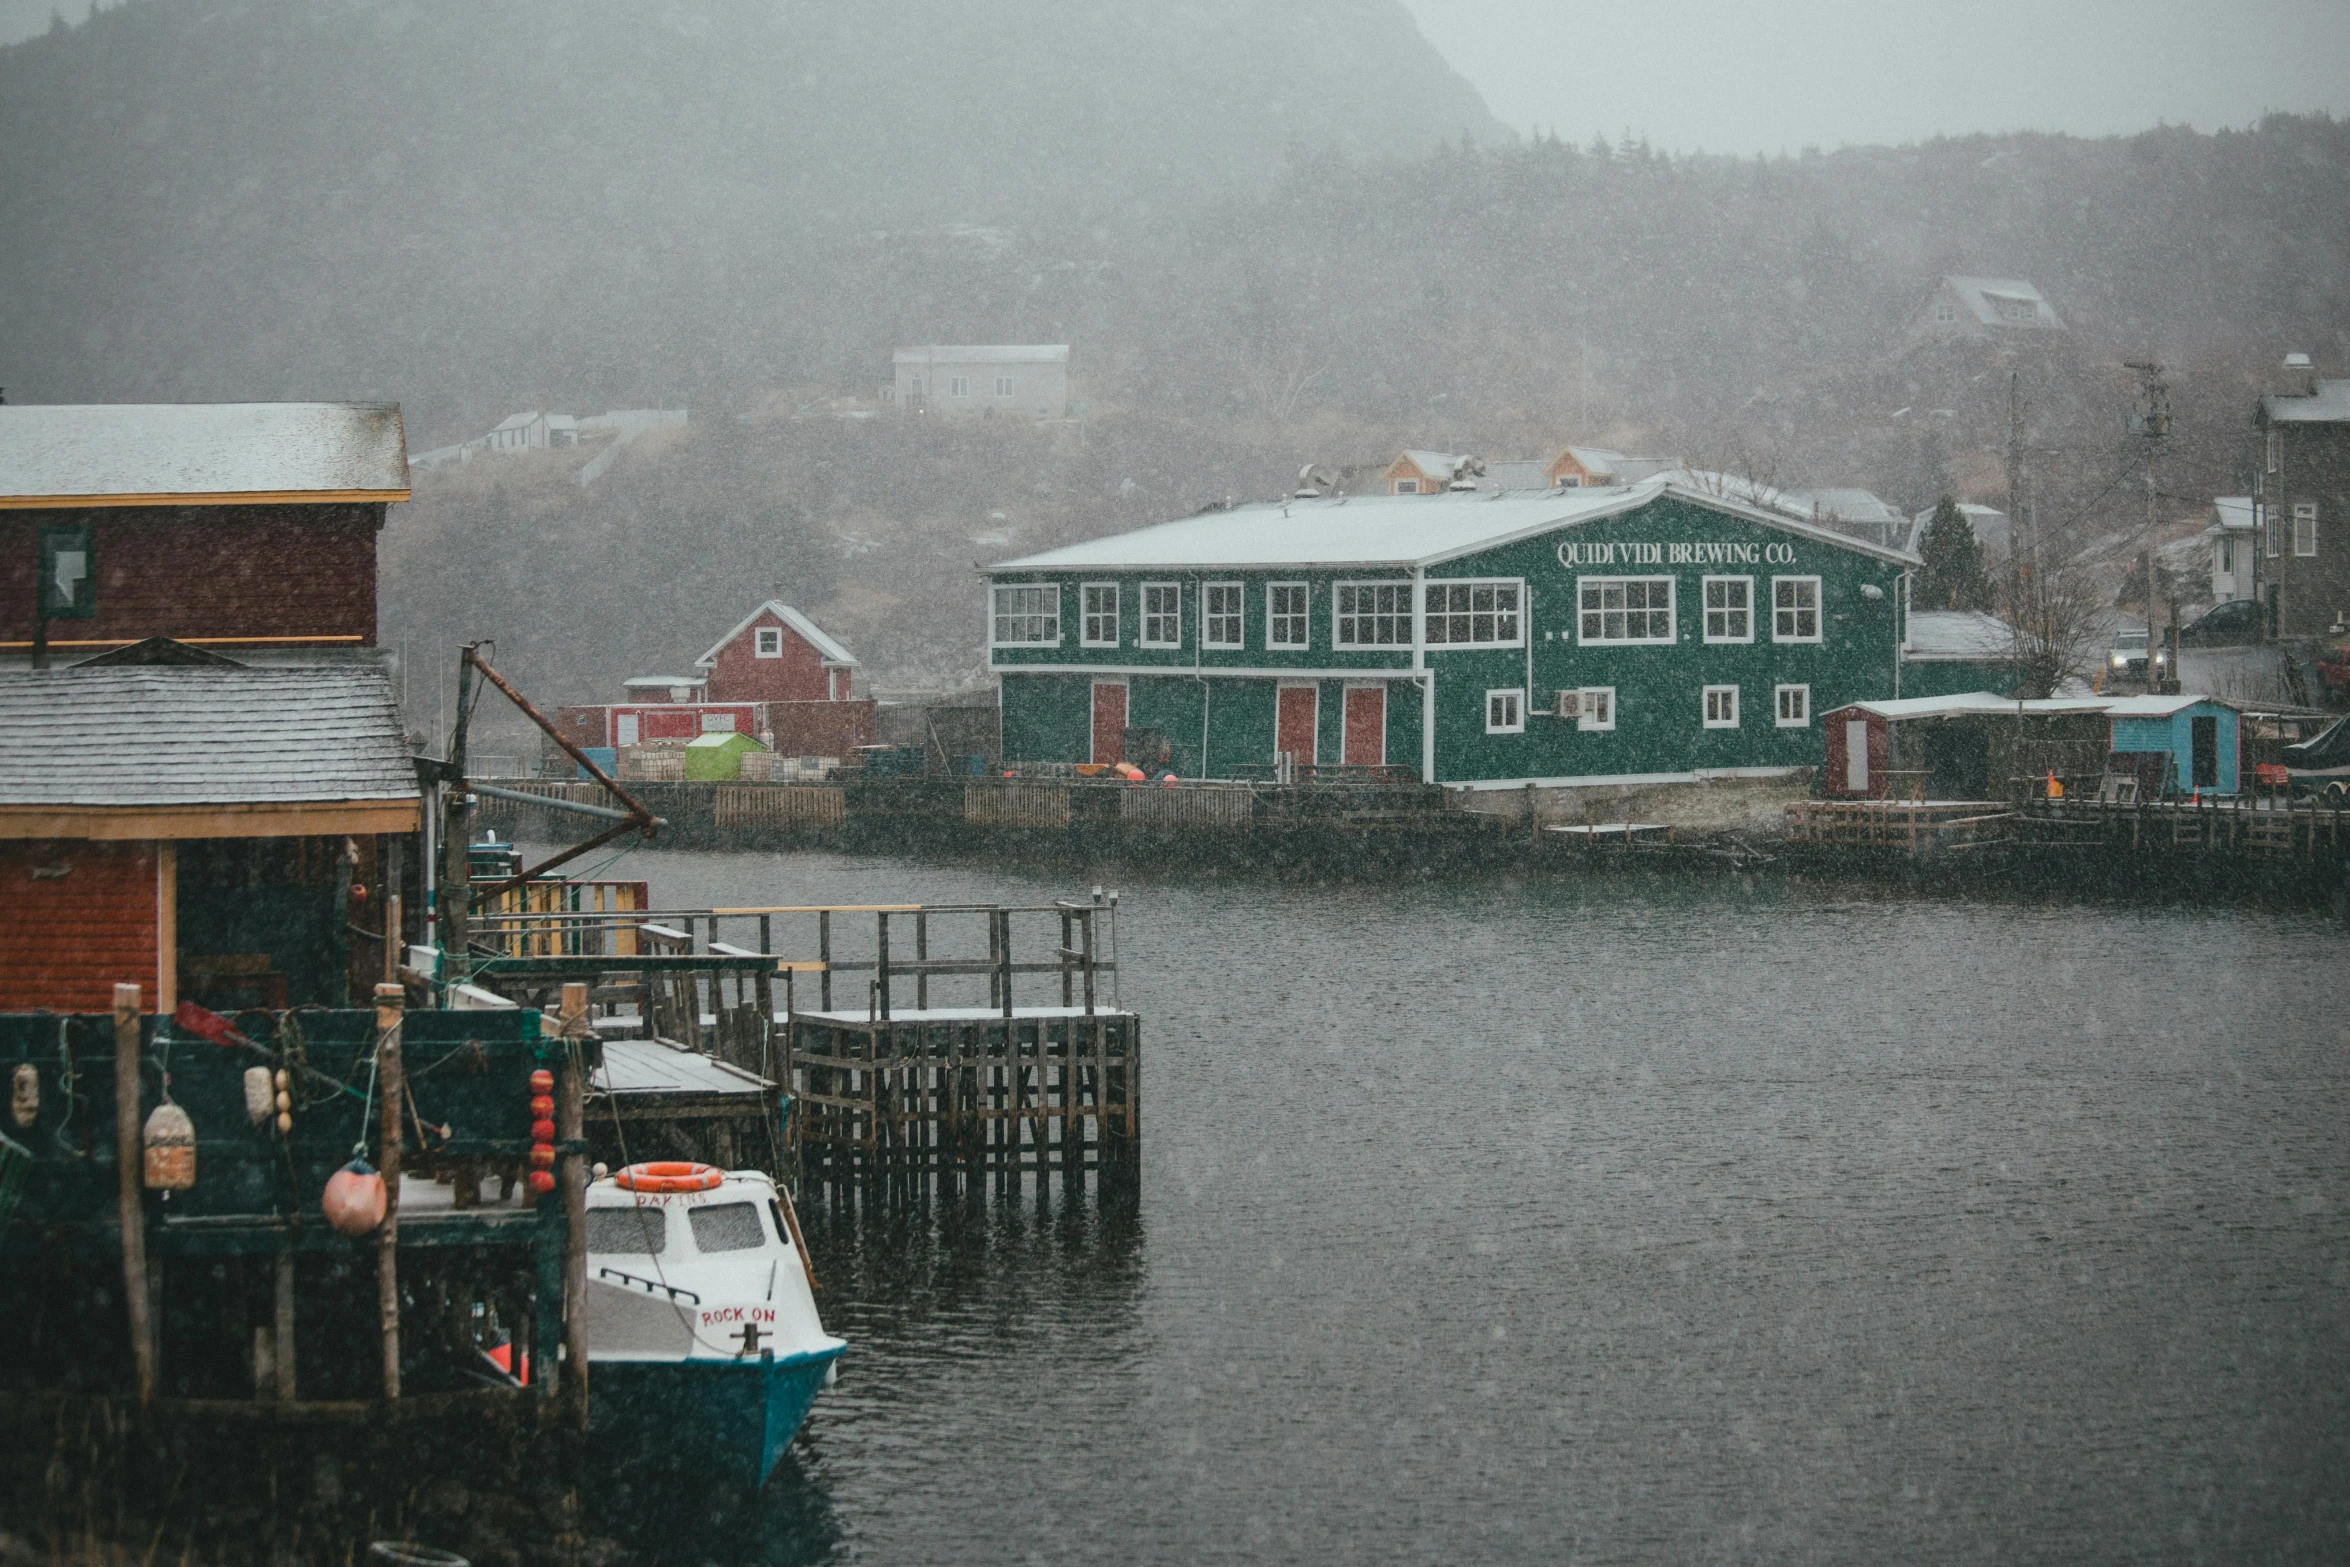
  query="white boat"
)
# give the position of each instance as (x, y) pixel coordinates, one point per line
(704, 1346)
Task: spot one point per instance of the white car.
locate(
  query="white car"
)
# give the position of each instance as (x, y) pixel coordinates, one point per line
(2129, 653)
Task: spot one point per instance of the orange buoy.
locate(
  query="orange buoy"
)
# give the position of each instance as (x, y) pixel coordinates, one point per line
(669, 1175)
(354, 1199)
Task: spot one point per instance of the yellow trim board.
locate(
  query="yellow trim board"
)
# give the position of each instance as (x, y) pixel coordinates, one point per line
(217, 498)
(304, 819)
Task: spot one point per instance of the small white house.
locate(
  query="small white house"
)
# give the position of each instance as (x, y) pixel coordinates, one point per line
(1015, 380)
(1981, 307)
(2230, 537)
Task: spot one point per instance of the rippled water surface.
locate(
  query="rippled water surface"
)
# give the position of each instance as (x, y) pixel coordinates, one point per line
(1494, 1222)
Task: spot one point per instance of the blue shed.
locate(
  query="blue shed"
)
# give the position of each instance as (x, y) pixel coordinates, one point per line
(2197, 733)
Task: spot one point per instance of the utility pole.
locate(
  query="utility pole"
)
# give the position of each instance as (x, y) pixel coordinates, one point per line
(2153, 423)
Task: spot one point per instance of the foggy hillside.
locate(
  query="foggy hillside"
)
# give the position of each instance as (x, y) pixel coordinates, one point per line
(1271, 235)
(458, 204)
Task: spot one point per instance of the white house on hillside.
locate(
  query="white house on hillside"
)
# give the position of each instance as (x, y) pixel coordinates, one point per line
(1981, 307)
(1022, 380)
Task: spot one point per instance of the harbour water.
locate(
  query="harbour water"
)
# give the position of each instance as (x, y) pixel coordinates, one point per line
(1497, 1221)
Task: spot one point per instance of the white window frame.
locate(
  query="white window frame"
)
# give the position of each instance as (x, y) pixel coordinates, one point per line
(1715, 711)
(1510, 701)
(1088, 615)
(1003, 386)
(1819, 616)
(1407, 487)
(958, 386)
(2276, 451)
(1593, 697)
(1303, 615)
(1403, 615)
(1705, 602)
(2271, 532)
(767, 642)
(2305, 528)
(1049, 616)
(1209, 615)
(1945, 313)
(1515, 615)
(1150, 616)
(1672, 612)
(1802, 695)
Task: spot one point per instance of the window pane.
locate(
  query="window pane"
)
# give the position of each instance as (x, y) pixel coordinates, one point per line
(639, 1232)
(726, 1226)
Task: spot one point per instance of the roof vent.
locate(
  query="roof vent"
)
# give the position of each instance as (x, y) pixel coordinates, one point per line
(2298, 378)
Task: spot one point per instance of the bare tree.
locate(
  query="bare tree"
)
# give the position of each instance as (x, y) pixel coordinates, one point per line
(2054, 616)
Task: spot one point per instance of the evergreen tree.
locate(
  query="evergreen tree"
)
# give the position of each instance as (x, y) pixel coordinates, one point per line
(1954, 577)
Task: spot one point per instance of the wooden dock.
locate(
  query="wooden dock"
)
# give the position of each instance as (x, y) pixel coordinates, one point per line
(904, 1059)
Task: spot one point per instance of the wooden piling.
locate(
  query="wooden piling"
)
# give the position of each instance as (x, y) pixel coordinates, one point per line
(130, 1162)
(391, 1002)
(282, 1336)
(570, 1129)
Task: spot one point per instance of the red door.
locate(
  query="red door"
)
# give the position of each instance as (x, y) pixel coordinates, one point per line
(1294, 721)
(1109, 722)
(1366, 726)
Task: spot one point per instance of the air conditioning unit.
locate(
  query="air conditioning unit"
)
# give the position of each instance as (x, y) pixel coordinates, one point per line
(1570, 705)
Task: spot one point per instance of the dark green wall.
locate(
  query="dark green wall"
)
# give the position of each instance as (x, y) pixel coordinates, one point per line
(1659, 689)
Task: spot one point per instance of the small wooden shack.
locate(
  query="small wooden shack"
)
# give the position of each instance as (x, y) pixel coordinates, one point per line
(2198, 737)
(717, 757)
(1971, 746)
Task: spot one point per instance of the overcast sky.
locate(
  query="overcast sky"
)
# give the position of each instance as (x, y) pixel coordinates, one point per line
(1750, 76)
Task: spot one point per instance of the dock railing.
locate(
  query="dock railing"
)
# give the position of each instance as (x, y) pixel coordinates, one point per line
(917, 1042)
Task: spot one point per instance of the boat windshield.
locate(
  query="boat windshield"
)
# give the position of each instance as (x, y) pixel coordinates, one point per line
(639, 1232)
(727, 1226)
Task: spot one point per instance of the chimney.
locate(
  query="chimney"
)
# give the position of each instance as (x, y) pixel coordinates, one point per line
(2297, 377)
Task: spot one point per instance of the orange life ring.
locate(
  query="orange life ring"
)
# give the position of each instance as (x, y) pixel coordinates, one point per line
(669, 1175)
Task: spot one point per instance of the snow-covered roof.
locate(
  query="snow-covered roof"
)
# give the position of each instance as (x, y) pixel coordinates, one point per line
(1597, 459)
(984, 354)
(2330, 405)
(1970, 704)
(1850, 505)
(1528, 473)
(828, 649)
(1401, 530)
(2161, 706)
(1989, 523)
(711, 740)
(1437, 465)
(1967, 634)
(1982, 296)
(2233, 512)
(655, 682)
(136, 454)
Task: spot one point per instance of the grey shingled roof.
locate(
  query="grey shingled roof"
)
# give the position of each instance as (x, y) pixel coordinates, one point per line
(94, 451)
(163, 736)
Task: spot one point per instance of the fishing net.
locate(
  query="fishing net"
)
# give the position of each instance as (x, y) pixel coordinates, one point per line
(16, 1166)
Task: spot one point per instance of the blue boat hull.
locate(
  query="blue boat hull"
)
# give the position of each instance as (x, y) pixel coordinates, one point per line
(725, 1419)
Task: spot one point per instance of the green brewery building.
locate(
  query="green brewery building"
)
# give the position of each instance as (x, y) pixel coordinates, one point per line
(1649, 633)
